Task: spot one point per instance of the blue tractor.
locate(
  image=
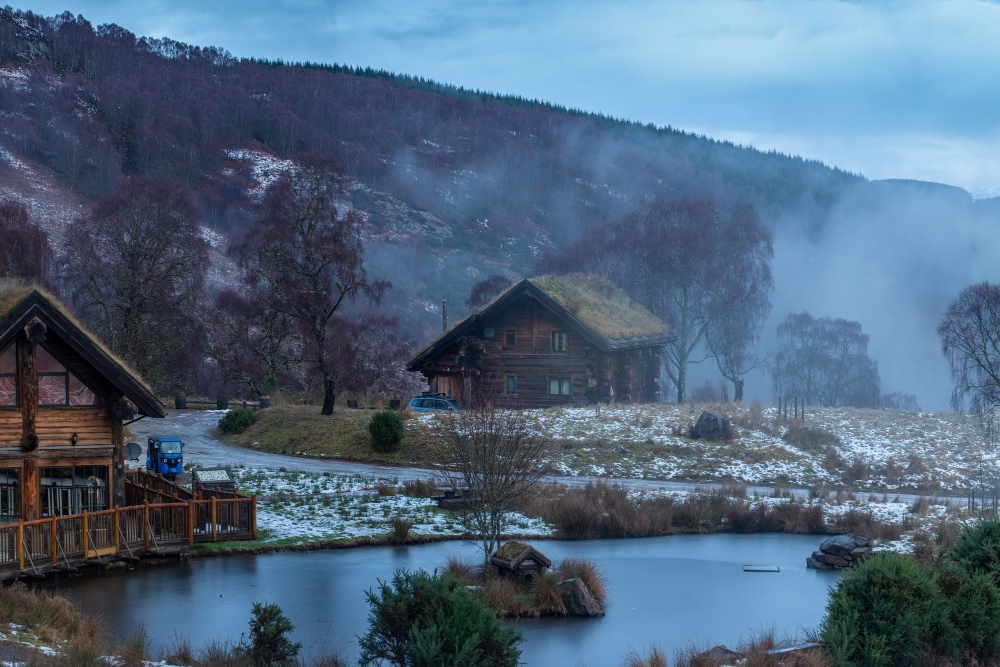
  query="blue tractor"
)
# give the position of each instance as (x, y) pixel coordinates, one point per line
(165, 455)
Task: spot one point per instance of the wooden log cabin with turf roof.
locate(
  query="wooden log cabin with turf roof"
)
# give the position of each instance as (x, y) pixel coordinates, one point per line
(64, 401)
(547, 341)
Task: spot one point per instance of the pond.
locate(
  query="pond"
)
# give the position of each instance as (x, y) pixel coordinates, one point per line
(672, 592)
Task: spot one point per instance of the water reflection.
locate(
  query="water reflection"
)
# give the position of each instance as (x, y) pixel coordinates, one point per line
(668, 591)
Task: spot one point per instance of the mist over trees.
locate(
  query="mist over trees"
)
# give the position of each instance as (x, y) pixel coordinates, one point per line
(705, 272)
(825, 361)
(970, 340)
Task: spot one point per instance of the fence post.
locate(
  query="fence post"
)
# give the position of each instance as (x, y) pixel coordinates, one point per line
(191, 517)
(83, 522)
(214, 526)
(20, 545)
(55, 544)
(253, 516)
(145, 523)
(116, 526)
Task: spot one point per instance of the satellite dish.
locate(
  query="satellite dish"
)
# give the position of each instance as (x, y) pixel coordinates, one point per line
(489, 333)
(133, 450)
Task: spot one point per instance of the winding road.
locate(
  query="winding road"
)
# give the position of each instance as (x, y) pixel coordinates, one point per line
(202, 448)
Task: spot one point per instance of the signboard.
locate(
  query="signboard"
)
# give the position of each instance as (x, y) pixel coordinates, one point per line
(213, 477)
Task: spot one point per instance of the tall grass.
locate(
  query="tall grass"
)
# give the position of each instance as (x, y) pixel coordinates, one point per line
(601, 510)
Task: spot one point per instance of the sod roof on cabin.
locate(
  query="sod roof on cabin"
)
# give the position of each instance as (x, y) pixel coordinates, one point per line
(14, 292)
(603, 307)
(513, 553)
(607, 310)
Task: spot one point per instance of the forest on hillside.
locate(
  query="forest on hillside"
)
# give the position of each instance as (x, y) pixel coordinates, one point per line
(453, 186)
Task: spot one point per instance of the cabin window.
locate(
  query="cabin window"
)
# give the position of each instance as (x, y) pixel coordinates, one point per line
(558, 341)
(509, 338)
(560, 387)
(73, 489)
(10, 495)
(57, 386)
(511, 384)
(8, 377)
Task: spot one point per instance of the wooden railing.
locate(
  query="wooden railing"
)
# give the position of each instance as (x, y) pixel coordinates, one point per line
(65, 542)
(157, 484)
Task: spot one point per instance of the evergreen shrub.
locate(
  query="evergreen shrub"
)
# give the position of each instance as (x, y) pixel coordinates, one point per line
(385, 430)
(419, 619)
(269, 643)
(237, 420)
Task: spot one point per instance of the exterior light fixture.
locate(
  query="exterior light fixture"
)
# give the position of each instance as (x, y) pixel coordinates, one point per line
(74, 438)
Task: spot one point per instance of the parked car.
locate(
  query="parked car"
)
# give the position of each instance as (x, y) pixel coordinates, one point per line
(428, 402)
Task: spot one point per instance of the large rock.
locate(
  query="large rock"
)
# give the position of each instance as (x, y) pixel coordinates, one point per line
(712, 427)
(579, 601)
(838, 545)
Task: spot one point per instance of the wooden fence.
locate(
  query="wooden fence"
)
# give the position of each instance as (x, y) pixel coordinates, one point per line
(169, 524)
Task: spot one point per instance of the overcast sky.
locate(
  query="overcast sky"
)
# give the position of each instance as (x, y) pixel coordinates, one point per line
(906, 89)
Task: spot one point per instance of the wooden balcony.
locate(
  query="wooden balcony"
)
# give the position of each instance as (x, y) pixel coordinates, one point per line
(171, 524)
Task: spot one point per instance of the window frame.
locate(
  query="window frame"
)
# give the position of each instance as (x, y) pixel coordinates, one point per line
(565, 382)
(510, 338)
(560, 342)
(13, 376)
(511, 382)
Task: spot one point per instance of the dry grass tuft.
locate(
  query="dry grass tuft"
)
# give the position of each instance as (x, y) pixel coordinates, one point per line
(464, 571)
(50, 617)
(384, 489)
(399, 529)
(592, 577)
(420, 488)
(654, 659)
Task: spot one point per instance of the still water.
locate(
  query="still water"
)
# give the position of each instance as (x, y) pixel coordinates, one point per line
(671, 592)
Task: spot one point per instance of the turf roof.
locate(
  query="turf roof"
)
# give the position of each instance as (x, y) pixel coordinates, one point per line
(603, 307)
(14, 291)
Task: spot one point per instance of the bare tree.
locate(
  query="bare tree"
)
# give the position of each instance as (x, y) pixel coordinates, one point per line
(306, 254)
(970, 340)
(24, 246)
(136, 269)
(486, 289)
(826, 362)
(496, 456)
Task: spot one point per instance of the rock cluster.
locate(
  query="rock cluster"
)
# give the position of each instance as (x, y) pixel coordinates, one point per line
(712, 427)
(840, 551)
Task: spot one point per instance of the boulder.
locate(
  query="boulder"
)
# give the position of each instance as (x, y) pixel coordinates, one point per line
(817, 564)
(712, 427)
(838, 545)
(837, 561)
(860, 552)
(579, 601)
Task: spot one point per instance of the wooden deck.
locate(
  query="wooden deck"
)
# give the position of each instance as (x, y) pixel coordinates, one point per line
(170, 525)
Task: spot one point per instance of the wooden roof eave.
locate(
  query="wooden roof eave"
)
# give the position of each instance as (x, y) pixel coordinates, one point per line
(81, 344)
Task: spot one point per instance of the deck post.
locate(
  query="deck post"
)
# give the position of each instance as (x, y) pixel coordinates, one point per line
(214, 525)
(145, 523)
(116, 526)
(20, 545)
(55, 544)
(253, 516)
(84, 540)
(191, 517)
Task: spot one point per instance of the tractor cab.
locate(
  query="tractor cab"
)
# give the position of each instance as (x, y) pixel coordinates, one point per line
(165, 455)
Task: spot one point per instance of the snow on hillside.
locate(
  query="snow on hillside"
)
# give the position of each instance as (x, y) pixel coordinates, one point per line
(266, 169)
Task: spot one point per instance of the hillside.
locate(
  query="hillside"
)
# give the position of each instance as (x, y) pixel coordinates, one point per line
(458, 184)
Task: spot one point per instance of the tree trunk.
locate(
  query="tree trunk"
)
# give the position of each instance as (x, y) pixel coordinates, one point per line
(329, 396)
(738, 390)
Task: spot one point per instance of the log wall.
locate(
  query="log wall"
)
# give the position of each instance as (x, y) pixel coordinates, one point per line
(532, 361)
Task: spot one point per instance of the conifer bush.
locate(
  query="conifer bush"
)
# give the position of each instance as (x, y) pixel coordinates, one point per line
(977, 549)
(237, 420)
(385, 430)
(421, 619)
(269, 644)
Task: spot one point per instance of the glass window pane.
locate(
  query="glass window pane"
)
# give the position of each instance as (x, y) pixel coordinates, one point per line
(79, 393)
(511, 384)
(46, 362)
(8, 390)
(52, 389)
(8, 361)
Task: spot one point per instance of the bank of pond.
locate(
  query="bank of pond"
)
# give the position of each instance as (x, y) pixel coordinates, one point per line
(672, 592)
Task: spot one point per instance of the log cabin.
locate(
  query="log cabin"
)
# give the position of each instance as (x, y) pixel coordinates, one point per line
(547, 341)
(64, 401)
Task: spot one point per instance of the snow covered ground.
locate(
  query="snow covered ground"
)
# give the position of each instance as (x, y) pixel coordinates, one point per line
(875, 449)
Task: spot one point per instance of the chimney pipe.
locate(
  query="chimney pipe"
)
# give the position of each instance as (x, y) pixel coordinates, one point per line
(444, 315)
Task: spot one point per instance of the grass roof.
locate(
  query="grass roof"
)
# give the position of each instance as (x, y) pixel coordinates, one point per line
(510, 550)
(13, 291)
(603, 307)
